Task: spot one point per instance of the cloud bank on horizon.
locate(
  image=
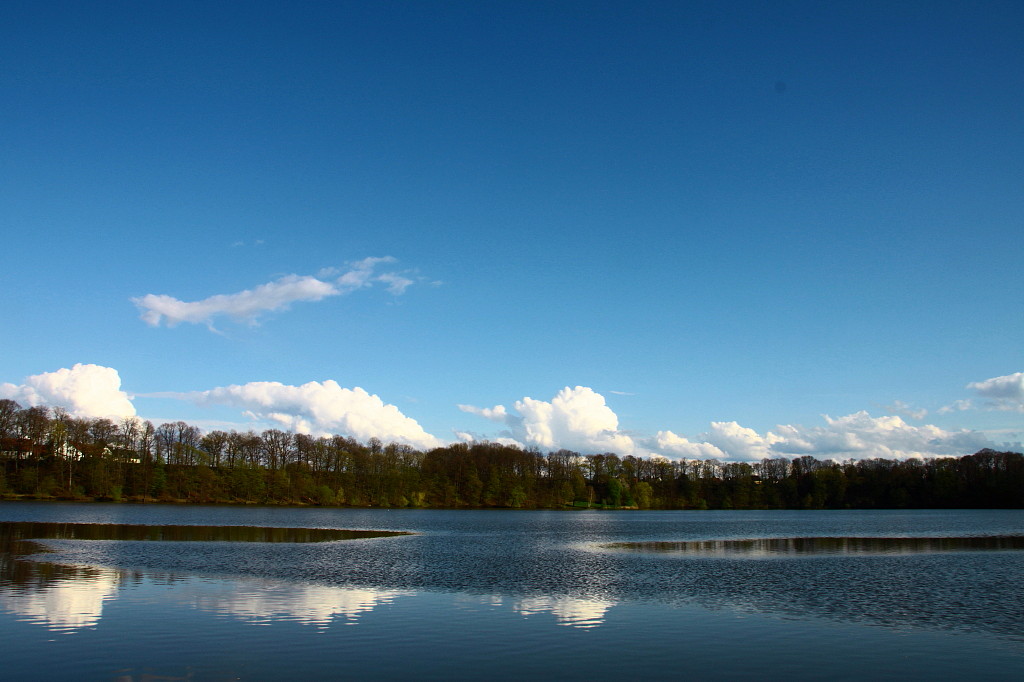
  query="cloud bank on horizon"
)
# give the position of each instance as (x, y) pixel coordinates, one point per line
(273, 296)
(575, 419)
(578, 419)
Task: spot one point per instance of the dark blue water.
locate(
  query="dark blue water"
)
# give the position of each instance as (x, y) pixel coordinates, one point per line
(506, 594)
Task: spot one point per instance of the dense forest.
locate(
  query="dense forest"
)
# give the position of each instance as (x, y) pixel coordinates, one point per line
(48, 454)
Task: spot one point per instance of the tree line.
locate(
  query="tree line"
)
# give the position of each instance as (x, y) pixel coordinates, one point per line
(48, 454)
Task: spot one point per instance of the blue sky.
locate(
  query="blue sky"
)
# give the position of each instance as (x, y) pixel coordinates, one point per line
(720, 229)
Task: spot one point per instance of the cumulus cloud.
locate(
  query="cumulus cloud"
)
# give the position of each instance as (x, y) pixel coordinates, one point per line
(89, 391)
(1003, 393)
(321, 408)
(249, 304)
(576, 418)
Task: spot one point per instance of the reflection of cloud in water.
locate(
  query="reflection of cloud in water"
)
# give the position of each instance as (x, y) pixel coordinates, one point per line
(65, 605)
(311, 604)
(572, 611)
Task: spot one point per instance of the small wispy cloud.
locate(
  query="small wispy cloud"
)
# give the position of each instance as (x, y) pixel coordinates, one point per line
(496, 413)
(906, 410)
(956, 406)
(248, 305)
(396, 284)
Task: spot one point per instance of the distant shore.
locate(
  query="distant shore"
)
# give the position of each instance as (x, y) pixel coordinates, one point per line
(61, 458)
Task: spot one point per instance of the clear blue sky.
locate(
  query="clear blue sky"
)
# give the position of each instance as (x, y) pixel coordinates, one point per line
(703, 220)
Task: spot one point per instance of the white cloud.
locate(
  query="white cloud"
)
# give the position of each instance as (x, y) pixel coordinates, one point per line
(84, 391)
(901, 408)
(496, 413)
(681, 447)
(860, 436)
(361, 275)
(245, 305)
(1004, 393)
(855, 436)
(320, 408)
(396, 283)
(956, 406)
(576, 418)
(470, 437)
(739, 441)
(249, 304)
(579, 419)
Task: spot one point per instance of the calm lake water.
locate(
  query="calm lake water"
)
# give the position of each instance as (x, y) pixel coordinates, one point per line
(504, 595)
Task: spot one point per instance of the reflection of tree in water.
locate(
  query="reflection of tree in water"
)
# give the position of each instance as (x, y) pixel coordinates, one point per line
(829, 545)
(167, 533)
(15, 572)
(16, 542)
(954, 584)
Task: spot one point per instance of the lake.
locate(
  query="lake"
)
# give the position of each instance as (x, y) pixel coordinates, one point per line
(224, 593)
